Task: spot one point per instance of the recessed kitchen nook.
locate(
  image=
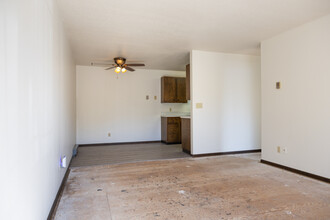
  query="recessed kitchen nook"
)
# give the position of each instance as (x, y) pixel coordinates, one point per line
(175, 126)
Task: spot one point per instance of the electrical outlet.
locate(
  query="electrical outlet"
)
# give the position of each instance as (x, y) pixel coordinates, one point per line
(147, 97)
(63, 161)
(278, 149)
(109, 134)
(170, 109)
(155, 97)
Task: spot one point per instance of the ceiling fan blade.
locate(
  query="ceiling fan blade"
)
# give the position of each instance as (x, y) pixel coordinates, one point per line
(103, 61)
(110, 68)
(135, 64)
(102, 64)
(129, 68)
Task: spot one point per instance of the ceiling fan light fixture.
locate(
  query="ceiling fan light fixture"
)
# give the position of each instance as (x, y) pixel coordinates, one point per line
(118, 69)
(119, 65)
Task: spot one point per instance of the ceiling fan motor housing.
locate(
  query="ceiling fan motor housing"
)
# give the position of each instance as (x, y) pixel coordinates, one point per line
(119, 61)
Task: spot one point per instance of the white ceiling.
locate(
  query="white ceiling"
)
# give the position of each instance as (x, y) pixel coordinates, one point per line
(162, 32)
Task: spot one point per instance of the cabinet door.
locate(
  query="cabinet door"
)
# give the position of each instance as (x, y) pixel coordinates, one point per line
(181, 90)
(185, 134)
(188, 82)
(173, 130)
(164, 129)
(169, 92)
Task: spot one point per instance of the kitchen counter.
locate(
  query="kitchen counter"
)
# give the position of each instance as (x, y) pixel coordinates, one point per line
(186, 117)
(175, 114)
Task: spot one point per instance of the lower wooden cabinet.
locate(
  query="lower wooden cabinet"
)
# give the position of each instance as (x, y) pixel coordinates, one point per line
(171, 130)
(185, 134)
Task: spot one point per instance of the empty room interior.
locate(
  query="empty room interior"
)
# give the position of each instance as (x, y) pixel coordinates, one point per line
(177, 109)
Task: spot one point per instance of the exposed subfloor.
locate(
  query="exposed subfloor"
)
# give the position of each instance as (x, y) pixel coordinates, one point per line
(219, 187)
(124, 153)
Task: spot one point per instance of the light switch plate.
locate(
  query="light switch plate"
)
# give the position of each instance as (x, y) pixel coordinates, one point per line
(199, 105)
(278, 85)
(155, 97)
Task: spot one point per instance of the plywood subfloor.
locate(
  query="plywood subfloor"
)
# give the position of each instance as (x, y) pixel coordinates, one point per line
(252, 156)
(126, 153)
(221, 187)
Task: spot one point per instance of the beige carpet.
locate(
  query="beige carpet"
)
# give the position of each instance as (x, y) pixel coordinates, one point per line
(222, 187)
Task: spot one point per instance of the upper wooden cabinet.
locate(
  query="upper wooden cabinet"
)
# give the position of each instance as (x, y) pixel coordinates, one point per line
(173, 89)
(188, 82)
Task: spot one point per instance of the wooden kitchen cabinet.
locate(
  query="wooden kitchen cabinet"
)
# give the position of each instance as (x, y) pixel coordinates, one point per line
(181, 90)
(188, 82)
(171, 130)
(173, 90)
(185, 134)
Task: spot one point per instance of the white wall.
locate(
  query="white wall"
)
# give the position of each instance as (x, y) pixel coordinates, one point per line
(228, 86)
(297, 116)
(106, 104)
(37, 107)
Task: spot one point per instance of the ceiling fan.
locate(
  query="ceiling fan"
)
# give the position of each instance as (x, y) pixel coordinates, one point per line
(120, 65)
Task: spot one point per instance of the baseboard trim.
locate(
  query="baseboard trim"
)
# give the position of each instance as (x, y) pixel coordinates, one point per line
(169, 143)
(118, 143)
(227, 153)
(52, 211)
(186, 151)
(317, 177)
